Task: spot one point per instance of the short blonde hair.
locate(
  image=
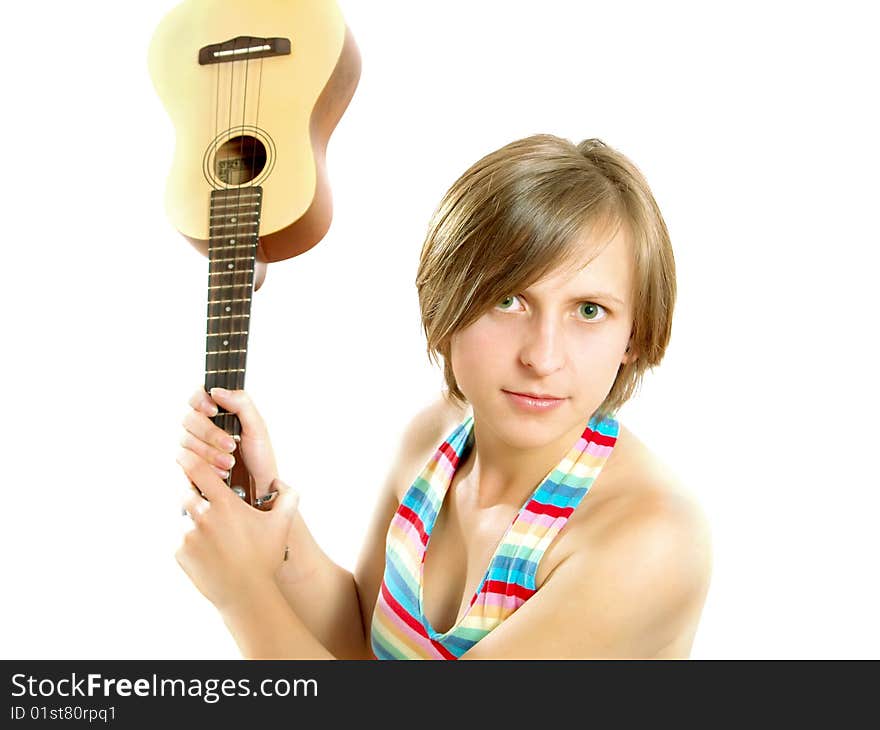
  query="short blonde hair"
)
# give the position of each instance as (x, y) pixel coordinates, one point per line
(519, 213)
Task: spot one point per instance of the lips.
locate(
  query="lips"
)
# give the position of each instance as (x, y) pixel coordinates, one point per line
(536, 396)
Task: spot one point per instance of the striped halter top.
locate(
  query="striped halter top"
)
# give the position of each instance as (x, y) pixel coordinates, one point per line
(399, 628)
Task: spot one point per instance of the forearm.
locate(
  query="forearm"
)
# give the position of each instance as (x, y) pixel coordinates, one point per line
(265, 627)
(322, 594)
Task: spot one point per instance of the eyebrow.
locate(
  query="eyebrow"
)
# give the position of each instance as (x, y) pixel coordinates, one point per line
(595, 295)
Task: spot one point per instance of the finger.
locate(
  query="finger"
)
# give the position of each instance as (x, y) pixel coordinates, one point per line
(201, 401)
(287, 501)
(202, 427)
(205, 478)
(220, 460)
(193, 445)
(240, 403)
(193, 488)
(195, 506)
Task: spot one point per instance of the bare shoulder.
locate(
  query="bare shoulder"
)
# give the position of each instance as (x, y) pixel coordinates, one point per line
(649, 536)
(640, 490)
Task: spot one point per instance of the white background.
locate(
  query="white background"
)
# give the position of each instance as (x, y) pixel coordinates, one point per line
(754, 123)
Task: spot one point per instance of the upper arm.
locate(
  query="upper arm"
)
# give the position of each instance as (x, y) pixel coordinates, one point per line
(371, 561)
(629, 596)
(416, 439)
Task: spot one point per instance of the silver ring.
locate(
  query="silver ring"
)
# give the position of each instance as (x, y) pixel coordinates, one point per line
(259, 501)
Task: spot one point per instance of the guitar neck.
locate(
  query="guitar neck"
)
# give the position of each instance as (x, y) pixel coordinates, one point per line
(232, 248)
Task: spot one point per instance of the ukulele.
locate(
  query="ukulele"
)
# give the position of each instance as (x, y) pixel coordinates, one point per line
(254, 89)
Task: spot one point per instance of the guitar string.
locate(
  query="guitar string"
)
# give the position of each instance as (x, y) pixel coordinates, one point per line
(259, 205)
(231, 241)
(221, 377)
(226, 375)
(240, 356)
(230, 287)
(238, 322)
(211, 379)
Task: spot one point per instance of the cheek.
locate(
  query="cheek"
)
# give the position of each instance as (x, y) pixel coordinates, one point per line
(475, 352)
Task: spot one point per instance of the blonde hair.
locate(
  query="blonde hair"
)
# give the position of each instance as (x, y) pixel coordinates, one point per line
(518, 214)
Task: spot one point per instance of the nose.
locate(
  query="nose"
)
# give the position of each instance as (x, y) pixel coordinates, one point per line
(544, 348)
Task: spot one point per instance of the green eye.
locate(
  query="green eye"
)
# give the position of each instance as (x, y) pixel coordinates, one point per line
(592, 306)
(508, 298)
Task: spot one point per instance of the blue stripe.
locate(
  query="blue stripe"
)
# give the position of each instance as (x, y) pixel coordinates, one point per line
(457, 644)
(416, 497)
(398, 586)
(559, 495)
(505, 563)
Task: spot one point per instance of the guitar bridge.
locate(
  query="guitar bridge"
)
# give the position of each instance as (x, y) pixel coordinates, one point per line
(243, 47)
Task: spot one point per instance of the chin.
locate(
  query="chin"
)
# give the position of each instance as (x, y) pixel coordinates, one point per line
(521, 428)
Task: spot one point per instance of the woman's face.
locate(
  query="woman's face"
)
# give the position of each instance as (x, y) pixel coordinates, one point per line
(565, 336)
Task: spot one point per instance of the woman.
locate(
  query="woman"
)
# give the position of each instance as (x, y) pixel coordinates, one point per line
(547, 285)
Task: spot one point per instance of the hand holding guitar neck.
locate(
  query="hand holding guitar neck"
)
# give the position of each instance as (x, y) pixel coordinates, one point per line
(214, 446)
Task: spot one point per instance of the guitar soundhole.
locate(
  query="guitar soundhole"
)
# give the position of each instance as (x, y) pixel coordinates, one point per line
(240, 160)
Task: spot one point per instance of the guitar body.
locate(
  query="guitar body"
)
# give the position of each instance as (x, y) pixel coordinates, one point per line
(254, 89)
(271, 115)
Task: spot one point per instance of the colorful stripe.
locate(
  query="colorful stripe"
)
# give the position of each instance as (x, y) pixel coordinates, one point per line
(399, 628)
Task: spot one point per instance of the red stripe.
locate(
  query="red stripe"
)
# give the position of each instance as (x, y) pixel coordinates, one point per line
(507, 589)
(548, 509)
(449, 453)
(402, 612)
(598, 438)
(416, 521)
(410, 621)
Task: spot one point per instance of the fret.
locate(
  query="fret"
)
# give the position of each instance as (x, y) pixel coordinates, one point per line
(212, 372)
(232, 218)
(223, 301)
(238, 204)
(229, 194)
(215, 247)
(228, 316)
(234, 258)
(231, 271)
(234, 225)
(235, 194)
(232, 286)
(227, 334)
(222, 352)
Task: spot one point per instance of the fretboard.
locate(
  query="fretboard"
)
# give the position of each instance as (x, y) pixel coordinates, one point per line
(234, 233)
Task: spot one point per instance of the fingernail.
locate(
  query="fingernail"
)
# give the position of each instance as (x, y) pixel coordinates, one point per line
(219, 391)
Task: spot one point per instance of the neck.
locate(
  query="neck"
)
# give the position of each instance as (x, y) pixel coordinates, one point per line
(498, 472)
